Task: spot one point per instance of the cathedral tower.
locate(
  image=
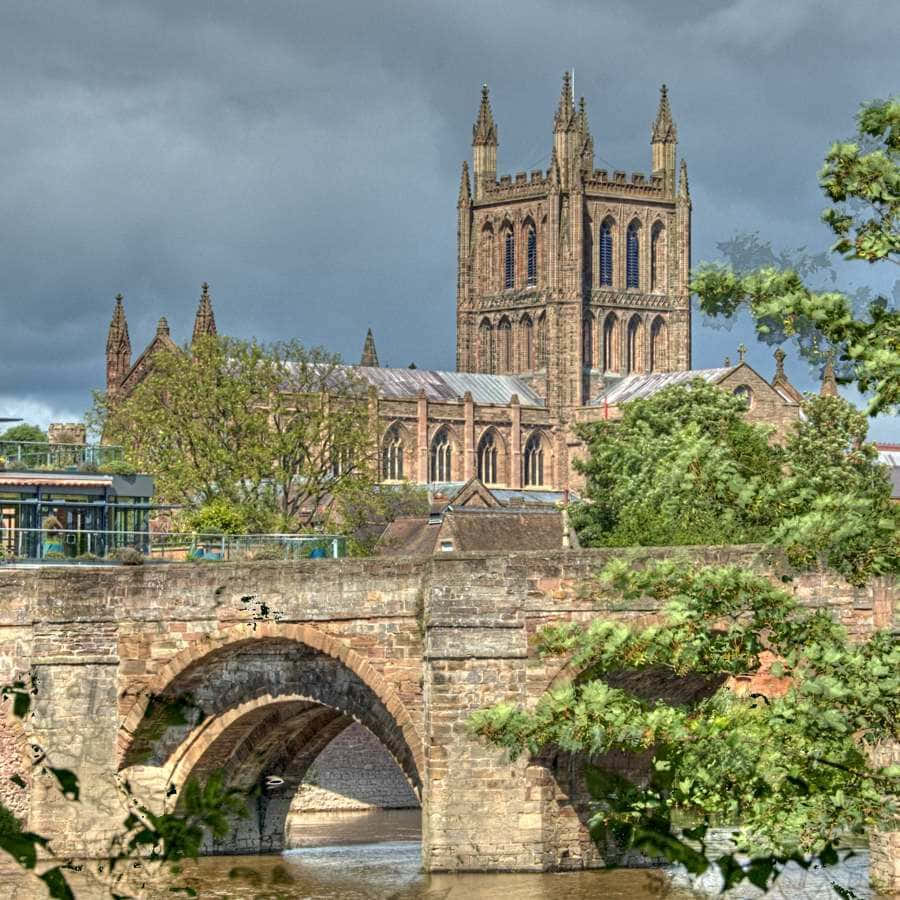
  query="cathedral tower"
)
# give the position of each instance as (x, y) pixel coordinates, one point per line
(573, 276)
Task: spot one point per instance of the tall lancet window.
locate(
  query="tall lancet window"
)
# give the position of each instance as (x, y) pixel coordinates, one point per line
(606, 254)
(487, 459)
(657, 258)
(534, 462)
(441, 451)
(392, 455)
(632, 248)
(531, 242)
(509, 260)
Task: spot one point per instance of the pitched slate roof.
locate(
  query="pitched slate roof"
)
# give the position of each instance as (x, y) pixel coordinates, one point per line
(448, 386)
(621, 390)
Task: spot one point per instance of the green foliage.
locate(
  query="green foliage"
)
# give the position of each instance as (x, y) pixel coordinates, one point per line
(362, 509)
(271, 430)
(118, 467)
(793, 771)
(862, 179)
(684, 467)
(218, 516)
(24, 432)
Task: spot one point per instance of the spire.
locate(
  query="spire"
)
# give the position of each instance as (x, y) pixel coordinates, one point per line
(564, 120)
(664, 127)
(117, 339)
(484, 131)
(204, 321)
(829, 383)
(162, 327)
(465, 194)
(586, 147)
(369, 356)
(553, 173)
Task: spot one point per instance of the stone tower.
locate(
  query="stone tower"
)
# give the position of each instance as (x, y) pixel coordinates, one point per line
(573, 276)
(118, 348)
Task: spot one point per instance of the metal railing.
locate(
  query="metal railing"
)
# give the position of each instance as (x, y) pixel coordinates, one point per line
(91, 546)
(44, 455)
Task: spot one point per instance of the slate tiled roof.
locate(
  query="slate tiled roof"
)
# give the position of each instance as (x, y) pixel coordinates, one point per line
(448, 386)
(620, 390)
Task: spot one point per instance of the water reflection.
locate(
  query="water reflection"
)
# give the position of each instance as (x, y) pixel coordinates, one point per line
(377, 856)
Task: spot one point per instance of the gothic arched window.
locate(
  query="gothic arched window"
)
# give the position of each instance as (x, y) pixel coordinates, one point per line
(392, 455)
(534, 462)
(527, 332)
(632, 248)
(487, 458)
(659, 345)
(745, 393)
(658, 257)
(606, 254)
(509, 260)
(635, 345)
(611, 355)
(504, 345)
(531, 242)
(441, 453)
(486, 346)
(487, 259)
(542, 341)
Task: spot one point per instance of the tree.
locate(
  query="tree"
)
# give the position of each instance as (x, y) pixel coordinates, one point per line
(684, 467)
(272, 430)
(24, 432)
(862, 181)
(794, 773)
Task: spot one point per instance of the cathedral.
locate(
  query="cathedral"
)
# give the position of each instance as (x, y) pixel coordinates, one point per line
(572, 298)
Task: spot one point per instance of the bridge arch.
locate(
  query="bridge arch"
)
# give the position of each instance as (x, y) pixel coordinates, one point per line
(261, 704)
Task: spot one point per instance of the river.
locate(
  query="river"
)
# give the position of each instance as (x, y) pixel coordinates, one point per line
(377, 856)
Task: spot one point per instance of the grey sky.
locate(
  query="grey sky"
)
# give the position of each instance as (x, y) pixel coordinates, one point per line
(304, 157)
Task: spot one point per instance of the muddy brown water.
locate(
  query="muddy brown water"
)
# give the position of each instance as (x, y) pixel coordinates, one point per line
(377, 856)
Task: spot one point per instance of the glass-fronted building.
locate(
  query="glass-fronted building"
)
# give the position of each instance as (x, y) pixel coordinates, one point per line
(71, 514)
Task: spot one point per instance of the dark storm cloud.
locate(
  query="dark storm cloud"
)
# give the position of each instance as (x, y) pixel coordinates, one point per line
(304, 157)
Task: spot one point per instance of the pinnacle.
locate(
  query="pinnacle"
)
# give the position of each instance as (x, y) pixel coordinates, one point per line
(465, 193)
(484, 131)
(564, 119)
(205, 320)
(162, 327)
(829, 382)
(664, 126)
(369, 355)
(683, 188)
(118, 327)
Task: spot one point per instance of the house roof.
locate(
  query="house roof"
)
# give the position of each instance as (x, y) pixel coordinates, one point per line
(49, 479)
(473, 530)
(448, 386)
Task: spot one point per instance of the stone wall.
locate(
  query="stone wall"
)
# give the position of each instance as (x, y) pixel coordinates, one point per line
(279, 658)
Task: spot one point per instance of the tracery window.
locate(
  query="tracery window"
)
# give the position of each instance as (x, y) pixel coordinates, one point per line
(631, 262)
(534, 462)
(606, 256)
(392, 455)
(487, 459)
(441, 456)
(745, 393)
(509, 260)
(531, 242)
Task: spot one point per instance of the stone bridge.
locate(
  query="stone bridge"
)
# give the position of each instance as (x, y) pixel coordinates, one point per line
(156, 673)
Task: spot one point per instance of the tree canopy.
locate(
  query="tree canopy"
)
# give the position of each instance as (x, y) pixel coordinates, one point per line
(861, 179)
(683, 466)
(24, 432)
(268, 430)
